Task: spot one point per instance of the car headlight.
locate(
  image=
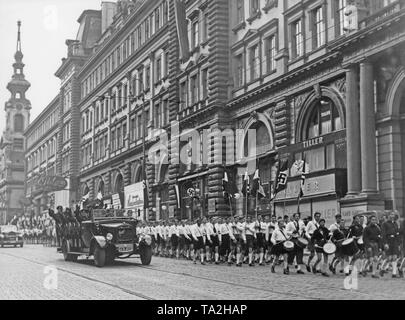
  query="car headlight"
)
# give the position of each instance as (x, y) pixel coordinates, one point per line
(148, 240)
(109, 237)
(1, 236)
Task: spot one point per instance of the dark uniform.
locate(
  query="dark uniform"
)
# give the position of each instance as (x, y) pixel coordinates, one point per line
(372, 240)
(319, 238)
(390, 234)
(356, 230)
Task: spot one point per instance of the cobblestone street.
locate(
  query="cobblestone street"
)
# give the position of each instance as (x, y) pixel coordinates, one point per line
(23, 273)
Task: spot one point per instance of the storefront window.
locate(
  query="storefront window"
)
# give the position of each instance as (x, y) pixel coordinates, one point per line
(324, 118)
(315, 159)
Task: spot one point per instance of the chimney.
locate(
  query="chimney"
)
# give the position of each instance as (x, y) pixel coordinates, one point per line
(108, 10)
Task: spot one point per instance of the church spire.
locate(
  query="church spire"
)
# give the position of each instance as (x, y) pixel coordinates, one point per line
(19, 36)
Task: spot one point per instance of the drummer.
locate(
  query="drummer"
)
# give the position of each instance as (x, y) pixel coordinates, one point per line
(278, 237)
(372, 242)
(356, 231)
(338, 236)
(332, 228)
(309, 231)
(296, 229)
(320, 238)
(390, 234)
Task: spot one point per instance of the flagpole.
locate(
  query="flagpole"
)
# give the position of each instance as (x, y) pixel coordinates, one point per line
(257, 202)
(298, 207)
(230, 204)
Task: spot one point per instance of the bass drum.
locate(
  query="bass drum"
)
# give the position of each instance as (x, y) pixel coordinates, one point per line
(302, 242)
(288, 245)
(349, 247)
(329, 248)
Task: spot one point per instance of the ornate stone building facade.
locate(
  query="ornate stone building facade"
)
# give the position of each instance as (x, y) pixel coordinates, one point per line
(315, 80)
(17, 110)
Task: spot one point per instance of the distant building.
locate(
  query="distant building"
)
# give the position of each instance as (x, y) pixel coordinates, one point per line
(12, 177)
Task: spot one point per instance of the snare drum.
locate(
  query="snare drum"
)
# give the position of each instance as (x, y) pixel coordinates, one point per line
(302, 242)
(288, 245)
(349, 247)
(329, 248)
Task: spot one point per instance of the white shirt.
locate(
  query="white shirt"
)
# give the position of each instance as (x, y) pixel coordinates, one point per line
(187, 229)
(166, 231)
(293, 226)
(250, 229)
(172, 230)
(209, 229)
(311, 227)
(197, 231)
(241, 228)
(278, 236)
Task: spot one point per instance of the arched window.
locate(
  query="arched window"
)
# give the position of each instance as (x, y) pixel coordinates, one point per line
(18, 123)
(119, 184)
(263, 142)
(324, 118)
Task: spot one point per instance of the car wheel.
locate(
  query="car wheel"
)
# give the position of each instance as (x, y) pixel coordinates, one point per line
(146, 255)
(99, 256)
(15, 246)
(21, 245)
(65, 250)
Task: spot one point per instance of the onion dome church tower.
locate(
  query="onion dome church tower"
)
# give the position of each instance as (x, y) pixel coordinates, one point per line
(12, 145)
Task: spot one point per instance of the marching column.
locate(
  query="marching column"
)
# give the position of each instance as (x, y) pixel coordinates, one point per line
(353, 132)
(368, 130)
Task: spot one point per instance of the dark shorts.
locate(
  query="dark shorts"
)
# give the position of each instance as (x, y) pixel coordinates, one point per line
(225, 244)
(319, 248)
(182, 241)
(372, 249)
(393, 249)
(215, 241)
(250, 241)
(311, 246)
(174, 240)
(199, 243)
(261, 241)
(189, 241)
(278, 249)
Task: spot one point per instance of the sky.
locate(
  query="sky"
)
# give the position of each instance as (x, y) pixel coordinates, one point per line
(46, 24)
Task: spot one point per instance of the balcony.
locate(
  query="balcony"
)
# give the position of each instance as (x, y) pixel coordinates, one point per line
(381, 14)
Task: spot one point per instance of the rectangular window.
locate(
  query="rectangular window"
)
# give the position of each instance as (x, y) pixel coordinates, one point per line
(157, 116)
(340, 16)
(270, 48)
(254, 7)
(193, 90)
(133, 128)
(204, 33)
(140, 82)
(166, 111)
(157, 19)
(166, 64)
(330, 156)
(140, 126)
(240, 12)
(239, 76)
(195, 37)
(147, 29)
(165, 12)
(113, 140)
(297, 39)
(183, 95)
(318, 35)
(204, 83)
(119, 138)
(147, 77)
(159, 68)
(315, 159)
(254, 62)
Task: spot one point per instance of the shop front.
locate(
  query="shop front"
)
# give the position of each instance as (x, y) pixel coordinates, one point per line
(325, 177)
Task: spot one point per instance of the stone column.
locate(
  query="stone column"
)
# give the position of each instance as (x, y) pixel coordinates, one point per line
(353, 132)
(367, 129)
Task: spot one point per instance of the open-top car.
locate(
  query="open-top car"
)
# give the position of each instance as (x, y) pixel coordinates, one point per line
(10, 236)
(106, 236)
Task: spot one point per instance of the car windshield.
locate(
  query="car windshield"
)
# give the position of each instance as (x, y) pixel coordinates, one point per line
(6, 229)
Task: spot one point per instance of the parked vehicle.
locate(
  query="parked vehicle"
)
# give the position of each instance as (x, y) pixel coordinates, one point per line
(10, 236)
